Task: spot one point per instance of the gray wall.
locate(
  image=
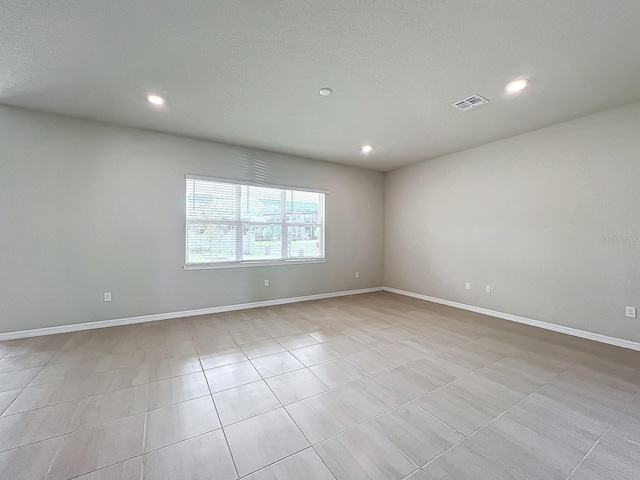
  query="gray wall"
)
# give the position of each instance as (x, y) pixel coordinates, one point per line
(550, 219)
(87, 208)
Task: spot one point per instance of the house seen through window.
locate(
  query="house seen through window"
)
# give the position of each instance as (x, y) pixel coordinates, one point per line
(234, 223)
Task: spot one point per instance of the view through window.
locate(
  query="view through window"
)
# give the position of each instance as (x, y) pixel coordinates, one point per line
(234, 223)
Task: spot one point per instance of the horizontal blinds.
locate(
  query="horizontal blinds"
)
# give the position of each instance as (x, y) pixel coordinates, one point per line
(228, 222)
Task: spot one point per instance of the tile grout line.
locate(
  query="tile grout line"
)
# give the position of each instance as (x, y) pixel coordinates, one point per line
(297, 426)
(602, 435)
(215, 407)
(492, 420)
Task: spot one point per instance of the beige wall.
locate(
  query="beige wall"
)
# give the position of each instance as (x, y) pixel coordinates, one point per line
(87, 208)
(550, 219)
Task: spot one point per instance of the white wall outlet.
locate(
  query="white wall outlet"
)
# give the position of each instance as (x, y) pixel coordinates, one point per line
(107, 296)
(467, 286)
(487, 289)
(266, 283)
(630, 312)
(357, 274)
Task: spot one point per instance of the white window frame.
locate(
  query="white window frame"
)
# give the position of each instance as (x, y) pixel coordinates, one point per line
(239, 228)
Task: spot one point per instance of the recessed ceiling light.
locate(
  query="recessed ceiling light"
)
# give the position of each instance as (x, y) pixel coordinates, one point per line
(366, 149)
(155, 100)
(516, 85)
(325, 92)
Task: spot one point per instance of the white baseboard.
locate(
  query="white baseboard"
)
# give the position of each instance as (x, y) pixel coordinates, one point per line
(166, 316)
(619, 342)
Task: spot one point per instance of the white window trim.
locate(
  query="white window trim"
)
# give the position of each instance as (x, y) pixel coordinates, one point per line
(260, 263)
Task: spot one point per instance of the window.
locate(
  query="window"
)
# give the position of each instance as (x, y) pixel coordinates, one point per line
(233, 224)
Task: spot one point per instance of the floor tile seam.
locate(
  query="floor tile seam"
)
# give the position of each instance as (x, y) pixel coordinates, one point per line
(215, 407)
(20, 369)
(9, 406)
(564, 411)
(74, 398)
(297, 369)
(602, 384)
(524, 426)
(301, 431)
(635, 442)
(55, 456)
(144, 431)
(449, 383)
(484, 425)
(602, 436)
(81, 377)
(362, 423)
(35, 442)
(274, 462)
(171, 444)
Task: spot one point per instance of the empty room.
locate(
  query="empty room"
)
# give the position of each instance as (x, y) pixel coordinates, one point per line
(301, 240)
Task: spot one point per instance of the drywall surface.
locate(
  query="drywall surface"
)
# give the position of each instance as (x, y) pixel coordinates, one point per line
(88, 208)
(549, 219)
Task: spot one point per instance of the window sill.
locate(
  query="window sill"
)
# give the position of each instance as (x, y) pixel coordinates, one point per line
(217, 266)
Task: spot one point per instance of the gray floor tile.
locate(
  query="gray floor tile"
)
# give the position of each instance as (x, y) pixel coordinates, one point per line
(306, 465)
(7, 398)
(416, 433)
(98, 409)
(574, 394)
(262, 440)
(24, 362)
(30, 462)
(324, 415)
(463, 462)
(30, 427)
(627, 425)
(94, 448)
(294, 386)
(230, 376)
(457, 408)
(200, 458)
(17, 379)
(314, 354)
(245, 401)
(613, 458)
(296, 340)
(276, 364)
(364, 453)
(337, 372)
(220, 358)
(371, 361)
(419, 475)
(174, 367)
(409, 382)
(530, 454)
(127, 470)
(262, 348)
(346, 346)
(466, 369)
(568, 430)
(179, 422)
(176, 390)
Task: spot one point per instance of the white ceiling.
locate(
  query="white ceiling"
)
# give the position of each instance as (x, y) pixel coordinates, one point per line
(248, 71)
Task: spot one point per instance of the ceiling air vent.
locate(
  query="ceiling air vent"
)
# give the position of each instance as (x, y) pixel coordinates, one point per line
(470, 102)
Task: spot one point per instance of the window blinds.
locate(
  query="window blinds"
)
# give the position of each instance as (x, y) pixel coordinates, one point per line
(233, 223)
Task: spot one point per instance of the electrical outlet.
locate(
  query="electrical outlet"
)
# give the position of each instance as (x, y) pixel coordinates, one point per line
(467, 286)
(266, 283)
(630, 312)
(487, 289)
(357, 274)
(107, 296)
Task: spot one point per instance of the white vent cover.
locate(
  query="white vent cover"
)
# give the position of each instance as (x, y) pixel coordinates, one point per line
(470, 102)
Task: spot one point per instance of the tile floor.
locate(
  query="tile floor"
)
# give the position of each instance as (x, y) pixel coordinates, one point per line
(374, 386)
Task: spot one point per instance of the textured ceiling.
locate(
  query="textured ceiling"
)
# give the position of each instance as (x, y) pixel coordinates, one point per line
(248, 72)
